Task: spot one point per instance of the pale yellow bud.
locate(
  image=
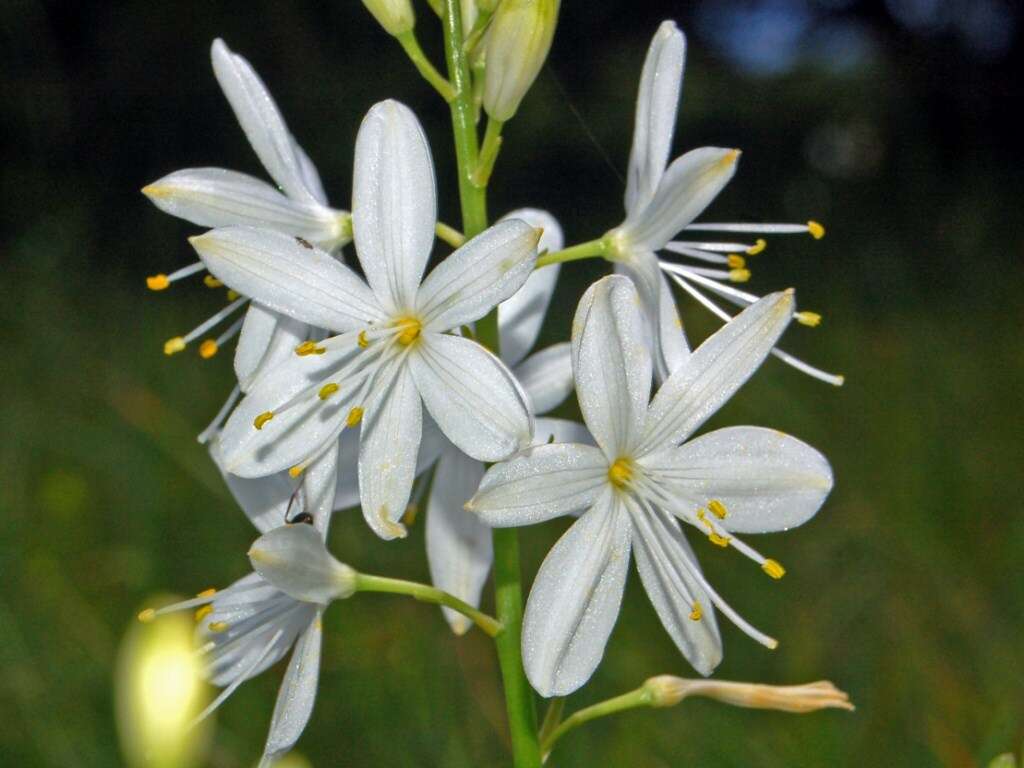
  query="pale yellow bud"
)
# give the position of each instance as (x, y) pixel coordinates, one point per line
(667, 691)
(396, 16)
(517, 44)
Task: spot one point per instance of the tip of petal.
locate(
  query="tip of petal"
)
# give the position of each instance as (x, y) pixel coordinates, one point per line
(731, 157)
(155, 190)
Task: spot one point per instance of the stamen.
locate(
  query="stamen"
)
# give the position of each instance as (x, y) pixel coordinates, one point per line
(757, 247)
(621, 472)
(719, 541)
(354, 417)
(718, 509)
(158, 282)
(296, 470)
(739, 275)
(327, 390)
(218, 626)
(207, 592)
(309, 348)
(147, 615)
(202, 613)
(696, 613)
(233, 295)
(773, 568)
(817, 231)
(208, 349)
(212, 282)
(178, 343)
(173, 346)
(810, 319)
(362, 340)
(409, 330)
(162, 282)
(262, 419)
(735, 261)
(214, 426)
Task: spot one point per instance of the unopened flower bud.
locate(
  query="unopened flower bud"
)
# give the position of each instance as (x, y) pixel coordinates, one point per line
(516, 45)
(396, 16)
(667, 691)
(294, 559)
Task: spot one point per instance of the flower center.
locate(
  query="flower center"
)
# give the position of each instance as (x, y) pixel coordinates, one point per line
(621, 472)
(408, 330)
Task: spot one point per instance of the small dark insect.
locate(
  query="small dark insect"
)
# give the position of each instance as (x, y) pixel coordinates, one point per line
(304, 243)
(302, 517)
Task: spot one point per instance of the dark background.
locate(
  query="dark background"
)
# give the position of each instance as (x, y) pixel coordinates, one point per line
(891, 122)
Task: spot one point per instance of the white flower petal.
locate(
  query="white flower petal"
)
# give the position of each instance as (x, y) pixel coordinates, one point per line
(267, 339)
(394, 203)
(483, 272)
(520, 317)
(472, 396)
(390, 441)
(294, 559)
(541, 483)
(548, 430)
(458, 543)
(687, 188)
(642, 268)
(288, 276)
(263, 499)
(547, 376)
(656, 105)
(664, 560)
(767, 480)
(319, 489)
(297, 694)
(347, 491)
(575, 599)
(260, 119)
(671, 336)
(310, 175)
(715, 370)
(215, 197)
(611, 364)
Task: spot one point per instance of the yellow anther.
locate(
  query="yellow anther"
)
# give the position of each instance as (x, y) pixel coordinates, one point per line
(735, 261)
(817, 231)
(207, 592)
(218, 626)
(208, 349)
(757, 247)
(354, 417)
(408, 330)
(157, 282)
(362, 340)
(297, 470)
(212, 282)
(773, 568)
(718, 509)
(173, 346)
(718, 540)
(620, 472)
(232, 295)
(262, 419)
(411, 512)
(327, 390)
(739, 275)
(810, 319)
(203, 612)
(147, 615)
(696, 613)
(309, 348)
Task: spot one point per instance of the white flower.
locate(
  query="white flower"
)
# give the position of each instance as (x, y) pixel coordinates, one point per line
(641, 482)
(458, 542)
(393, 349)
(246, 628)
(663, 201)
(215, 197)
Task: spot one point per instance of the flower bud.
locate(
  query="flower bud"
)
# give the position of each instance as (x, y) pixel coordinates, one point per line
(667, 691)
(293, 559)
(516, 45)
(396, 16)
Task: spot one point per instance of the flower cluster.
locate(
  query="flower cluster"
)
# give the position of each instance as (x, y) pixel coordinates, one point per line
(367, 388)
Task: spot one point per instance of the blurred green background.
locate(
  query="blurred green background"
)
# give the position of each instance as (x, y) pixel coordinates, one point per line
(891, 122)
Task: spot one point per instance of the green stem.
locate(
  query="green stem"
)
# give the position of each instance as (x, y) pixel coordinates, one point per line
(640, 697)
(587, 250)
(488, 153)
(428, 594)
(552, 718)
(419, 59)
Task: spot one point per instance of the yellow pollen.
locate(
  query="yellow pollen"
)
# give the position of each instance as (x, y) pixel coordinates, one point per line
(735, 261)
(620, 472)
(773, 568)
(262, 419)
(309, 348)
(207, 592)
(354, 417)
(208, 349)
(817, 231)
(212, 282)
(739, 275)
(155, 190)
(718, 509)
(810, 319)
(362, 340)
(296, 470)
(696, 613)
(718, 540)
(157, 282)
(173, 346)
(147, 615)
(757, 247)
(327, 390)
(203, 612)
(218, 626)
(409, 330)
(232, 295)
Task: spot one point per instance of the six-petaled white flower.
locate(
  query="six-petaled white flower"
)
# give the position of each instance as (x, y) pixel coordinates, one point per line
(663, 201)
(394, 348)
(642, 480)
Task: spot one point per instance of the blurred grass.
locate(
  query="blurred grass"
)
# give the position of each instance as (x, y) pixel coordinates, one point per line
(904, 590)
